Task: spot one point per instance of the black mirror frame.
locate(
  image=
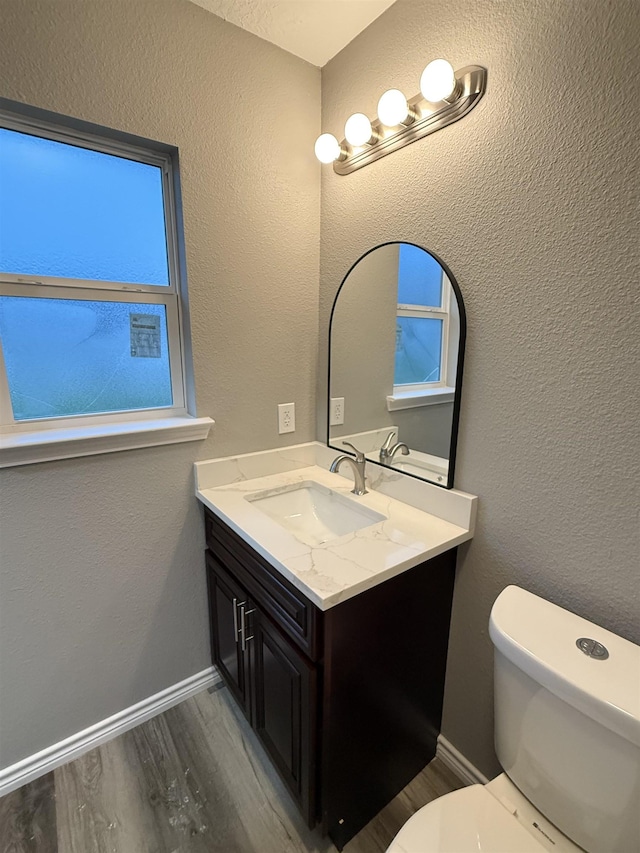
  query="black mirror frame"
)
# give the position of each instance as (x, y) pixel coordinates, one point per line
(459, 366)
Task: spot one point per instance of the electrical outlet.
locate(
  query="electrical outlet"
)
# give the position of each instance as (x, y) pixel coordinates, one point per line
(337, 411)
(286, 417)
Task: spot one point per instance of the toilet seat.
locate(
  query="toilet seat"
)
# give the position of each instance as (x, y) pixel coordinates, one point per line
(470, 820)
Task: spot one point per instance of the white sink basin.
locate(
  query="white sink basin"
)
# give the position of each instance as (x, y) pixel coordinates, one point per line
(433, 469)
(420, 470)
(314, 513)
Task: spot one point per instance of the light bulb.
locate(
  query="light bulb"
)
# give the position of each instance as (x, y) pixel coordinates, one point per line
(327, 148)
(393, 108)
(357, 129)
(438, 81)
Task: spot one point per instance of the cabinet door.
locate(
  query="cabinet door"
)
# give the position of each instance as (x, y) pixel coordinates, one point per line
(382, 695)
(225, 598)
(285, 699)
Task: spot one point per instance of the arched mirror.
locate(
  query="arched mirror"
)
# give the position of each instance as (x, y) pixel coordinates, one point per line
(396, 349)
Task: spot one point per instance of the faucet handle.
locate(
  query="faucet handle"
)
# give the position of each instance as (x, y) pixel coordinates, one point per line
(388, 440)
(360, 457)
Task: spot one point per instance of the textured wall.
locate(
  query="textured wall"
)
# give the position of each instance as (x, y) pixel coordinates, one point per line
(102, 587)
(533, 200)
(363, 342)
(427, 428)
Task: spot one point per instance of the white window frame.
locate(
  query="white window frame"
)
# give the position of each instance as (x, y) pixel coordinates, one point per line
(74, 435)
(417, 394)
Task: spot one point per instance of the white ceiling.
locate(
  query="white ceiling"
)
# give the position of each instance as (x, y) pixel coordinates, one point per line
(314, 30)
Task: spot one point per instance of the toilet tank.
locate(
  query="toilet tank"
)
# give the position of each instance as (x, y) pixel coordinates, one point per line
(567, 719)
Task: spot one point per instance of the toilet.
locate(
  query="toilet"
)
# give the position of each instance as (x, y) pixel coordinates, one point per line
(567, 734)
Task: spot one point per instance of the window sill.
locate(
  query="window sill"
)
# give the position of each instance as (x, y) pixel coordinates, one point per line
(414, 399)
(28, 447)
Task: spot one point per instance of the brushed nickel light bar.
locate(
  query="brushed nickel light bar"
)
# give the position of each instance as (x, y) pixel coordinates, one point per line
(445, 96)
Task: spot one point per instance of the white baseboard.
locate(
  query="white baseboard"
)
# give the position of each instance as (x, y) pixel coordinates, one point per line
(48, 759)
(461, 766)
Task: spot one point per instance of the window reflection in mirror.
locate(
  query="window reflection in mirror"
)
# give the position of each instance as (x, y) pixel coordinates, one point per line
(396, 350)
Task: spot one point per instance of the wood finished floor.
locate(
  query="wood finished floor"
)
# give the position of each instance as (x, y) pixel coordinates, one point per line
(192, 780)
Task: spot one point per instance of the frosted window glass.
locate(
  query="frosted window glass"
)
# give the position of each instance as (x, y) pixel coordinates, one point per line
(419, 277)
(418, 350)
(69, 212)
(70, 356)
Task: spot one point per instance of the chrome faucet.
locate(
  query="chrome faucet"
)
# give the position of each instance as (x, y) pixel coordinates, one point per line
(387, 451)
(359, 487)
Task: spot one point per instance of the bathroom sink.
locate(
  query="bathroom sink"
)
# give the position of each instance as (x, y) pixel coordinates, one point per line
(314, 513)
(433, 472)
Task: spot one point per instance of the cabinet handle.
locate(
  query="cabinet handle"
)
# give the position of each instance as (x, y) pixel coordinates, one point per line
(243, 626)
(235, 617)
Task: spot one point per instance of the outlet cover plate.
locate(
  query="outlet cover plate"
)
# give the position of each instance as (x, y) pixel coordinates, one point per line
(286, 417)
(337, 411)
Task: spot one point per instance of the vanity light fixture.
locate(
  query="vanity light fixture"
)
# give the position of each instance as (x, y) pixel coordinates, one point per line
(393, 109)
(438, 82)
(328, 148)
(445, 96)
(358, 130)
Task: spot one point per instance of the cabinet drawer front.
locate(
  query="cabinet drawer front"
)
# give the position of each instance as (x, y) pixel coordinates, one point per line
(294, 614)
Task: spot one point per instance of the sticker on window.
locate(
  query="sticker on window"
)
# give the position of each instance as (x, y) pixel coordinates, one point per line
(145, 335)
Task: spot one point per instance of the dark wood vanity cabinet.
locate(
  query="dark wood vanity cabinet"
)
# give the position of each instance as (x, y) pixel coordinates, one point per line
(347, 702)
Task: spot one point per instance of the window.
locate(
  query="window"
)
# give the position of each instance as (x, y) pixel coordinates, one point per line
(90, 310)
(422, 330)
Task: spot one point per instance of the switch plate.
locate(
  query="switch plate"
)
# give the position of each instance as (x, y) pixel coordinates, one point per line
(337, 411)
(286, 417)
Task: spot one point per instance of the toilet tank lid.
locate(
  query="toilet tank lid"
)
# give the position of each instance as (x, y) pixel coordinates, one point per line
(540, 639)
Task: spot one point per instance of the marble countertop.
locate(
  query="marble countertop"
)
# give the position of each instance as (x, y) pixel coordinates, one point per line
(342, 567)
